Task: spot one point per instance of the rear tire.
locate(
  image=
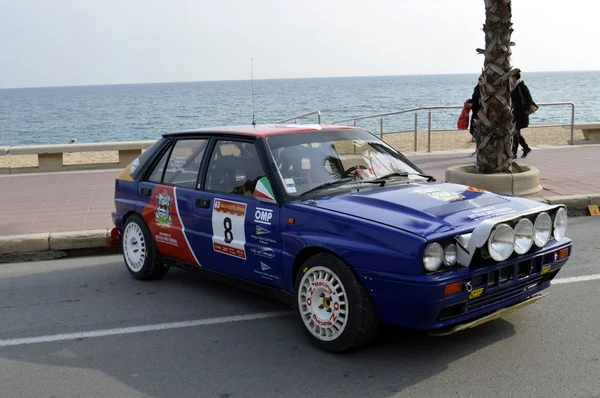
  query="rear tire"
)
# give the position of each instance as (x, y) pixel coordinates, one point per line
(333, 306)
(142, 259)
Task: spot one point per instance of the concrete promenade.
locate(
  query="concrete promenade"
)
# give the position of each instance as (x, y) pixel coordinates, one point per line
(79, 201)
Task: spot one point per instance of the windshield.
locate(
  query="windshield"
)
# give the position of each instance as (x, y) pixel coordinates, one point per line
(335, 159)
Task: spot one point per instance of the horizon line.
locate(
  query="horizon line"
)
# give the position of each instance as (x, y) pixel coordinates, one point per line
(279, 78)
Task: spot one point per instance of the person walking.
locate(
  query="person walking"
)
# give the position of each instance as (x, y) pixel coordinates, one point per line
(521, 102)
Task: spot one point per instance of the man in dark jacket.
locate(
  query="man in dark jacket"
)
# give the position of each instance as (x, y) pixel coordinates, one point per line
(521, 101)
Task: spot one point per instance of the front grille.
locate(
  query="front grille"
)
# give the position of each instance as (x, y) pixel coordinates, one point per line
(503, 293)
(503, 284)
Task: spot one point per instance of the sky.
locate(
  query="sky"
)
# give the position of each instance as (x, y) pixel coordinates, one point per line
(89, 42)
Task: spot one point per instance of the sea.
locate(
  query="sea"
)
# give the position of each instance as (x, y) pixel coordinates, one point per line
(131, 112)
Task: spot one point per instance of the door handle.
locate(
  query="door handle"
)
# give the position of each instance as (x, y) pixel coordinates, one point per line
(145, 191)
(203, 203)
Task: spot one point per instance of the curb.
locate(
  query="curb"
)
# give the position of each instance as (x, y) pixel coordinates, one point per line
(577, 205)
(46, 246)
(50, 246)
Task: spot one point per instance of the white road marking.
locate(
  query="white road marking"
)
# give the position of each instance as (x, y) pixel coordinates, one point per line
(140, 329)
(197, 322)
(574, 279)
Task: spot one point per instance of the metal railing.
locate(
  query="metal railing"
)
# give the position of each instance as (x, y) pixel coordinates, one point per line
(432, 108)
(295, 118)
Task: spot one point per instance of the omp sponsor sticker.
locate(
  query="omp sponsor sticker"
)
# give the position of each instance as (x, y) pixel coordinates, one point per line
(489, 212)
(229, 235)
(263, 216)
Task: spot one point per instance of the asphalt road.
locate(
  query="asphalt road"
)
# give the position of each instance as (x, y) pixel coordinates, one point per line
(549, 349)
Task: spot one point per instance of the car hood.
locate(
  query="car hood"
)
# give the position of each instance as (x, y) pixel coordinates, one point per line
(425, 209)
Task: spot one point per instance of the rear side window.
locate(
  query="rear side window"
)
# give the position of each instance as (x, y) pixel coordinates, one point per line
(139, 163)
(184, 163)
(180, 166)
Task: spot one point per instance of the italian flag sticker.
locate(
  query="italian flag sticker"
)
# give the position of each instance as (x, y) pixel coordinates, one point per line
(264, 191)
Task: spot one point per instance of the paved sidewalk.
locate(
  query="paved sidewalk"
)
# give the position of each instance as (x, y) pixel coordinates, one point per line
(74, 201)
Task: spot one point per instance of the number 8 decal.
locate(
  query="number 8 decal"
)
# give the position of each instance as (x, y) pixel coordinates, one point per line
(228, 228)
(228, 232)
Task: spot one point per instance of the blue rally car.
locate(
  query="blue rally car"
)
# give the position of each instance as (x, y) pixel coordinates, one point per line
(340, 225)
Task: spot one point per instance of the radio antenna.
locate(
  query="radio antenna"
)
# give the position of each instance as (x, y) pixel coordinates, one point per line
(252, 75)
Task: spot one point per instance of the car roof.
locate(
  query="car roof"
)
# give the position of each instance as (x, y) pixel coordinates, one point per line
(263, 130)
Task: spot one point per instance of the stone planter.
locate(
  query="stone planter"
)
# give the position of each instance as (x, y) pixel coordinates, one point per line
(519, 184)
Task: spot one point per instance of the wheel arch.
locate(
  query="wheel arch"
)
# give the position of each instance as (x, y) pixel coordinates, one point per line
(310, 251)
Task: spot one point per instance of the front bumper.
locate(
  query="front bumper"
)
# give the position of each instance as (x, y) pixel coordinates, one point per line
(420, 302)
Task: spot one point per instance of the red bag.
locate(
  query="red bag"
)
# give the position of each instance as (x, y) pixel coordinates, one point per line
(463, 119)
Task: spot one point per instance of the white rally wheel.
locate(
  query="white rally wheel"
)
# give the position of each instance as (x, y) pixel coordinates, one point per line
(323, 303)
(142, 259)
(134, 247)
(332, 304)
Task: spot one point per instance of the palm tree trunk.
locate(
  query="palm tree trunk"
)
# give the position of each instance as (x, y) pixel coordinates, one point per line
(493, 131)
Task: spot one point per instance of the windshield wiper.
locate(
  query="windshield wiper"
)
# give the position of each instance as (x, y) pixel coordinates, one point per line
(328, 184)
(384, 178)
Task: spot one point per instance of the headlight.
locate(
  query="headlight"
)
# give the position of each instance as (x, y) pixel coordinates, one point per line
(523, 236)
(450, 255)
(542, 229)
(433, 257)
(560, 224)
(501, 242)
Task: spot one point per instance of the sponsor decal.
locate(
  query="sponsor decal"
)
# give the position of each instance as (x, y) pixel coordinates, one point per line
(134, 165)
(162, 213)
(263, 216)
(262, 230)
(263, 272)
(290, 185)
(176, 163)
(264, 191)
(489, 212)
(166, 238)
(473, 189)
(167, 227)
(545, 269)
(438, 194)
(266, 252)
(229, 235)
(476, 293)
(263, 240)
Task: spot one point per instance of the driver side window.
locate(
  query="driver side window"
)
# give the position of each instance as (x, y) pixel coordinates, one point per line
(234, 168)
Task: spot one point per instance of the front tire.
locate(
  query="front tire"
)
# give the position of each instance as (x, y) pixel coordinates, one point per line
(142, 259)
(333, 306)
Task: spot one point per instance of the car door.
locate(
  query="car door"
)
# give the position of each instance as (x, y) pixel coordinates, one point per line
(238, 216)
(170, 192)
